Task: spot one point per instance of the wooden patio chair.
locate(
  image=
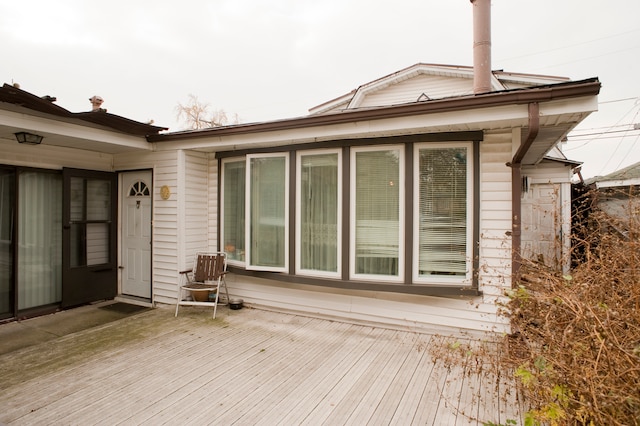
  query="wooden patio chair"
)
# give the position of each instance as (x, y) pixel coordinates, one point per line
(203, 282)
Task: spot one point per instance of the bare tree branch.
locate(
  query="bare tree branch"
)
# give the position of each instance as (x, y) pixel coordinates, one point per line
(196, 115)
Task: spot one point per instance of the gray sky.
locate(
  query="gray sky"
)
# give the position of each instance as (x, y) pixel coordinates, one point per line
(272, 59)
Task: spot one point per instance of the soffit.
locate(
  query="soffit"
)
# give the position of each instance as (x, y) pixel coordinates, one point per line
(68, 133)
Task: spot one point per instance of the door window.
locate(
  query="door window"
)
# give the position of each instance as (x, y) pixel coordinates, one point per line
(90, 211)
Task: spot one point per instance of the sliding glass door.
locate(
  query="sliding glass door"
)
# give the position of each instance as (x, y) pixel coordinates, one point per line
(39, 239)
(7, 236)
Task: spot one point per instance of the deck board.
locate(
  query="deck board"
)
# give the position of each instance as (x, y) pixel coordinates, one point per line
(245, 367)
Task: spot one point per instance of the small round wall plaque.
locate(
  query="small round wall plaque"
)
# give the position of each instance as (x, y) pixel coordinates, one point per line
(165, 192)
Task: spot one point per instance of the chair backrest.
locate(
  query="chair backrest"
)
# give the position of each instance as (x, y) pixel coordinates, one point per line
(209, 266)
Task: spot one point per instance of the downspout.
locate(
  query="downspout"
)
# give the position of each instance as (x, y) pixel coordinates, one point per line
(516, 187)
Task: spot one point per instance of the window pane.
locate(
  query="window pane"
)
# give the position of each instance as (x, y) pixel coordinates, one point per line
(377, 212)
(318, 249)
(97, 243)
(267, 213)
(98, 199)
(76, 185)
(442, 212)
(90, 221)
(233, 190)
(7, 223)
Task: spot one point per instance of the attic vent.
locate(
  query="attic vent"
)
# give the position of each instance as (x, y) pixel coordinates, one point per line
(423, 98)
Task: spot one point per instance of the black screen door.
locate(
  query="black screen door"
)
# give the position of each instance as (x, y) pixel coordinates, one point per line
(89, 234)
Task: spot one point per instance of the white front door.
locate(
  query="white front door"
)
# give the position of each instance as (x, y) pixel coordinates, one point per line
(135, 256)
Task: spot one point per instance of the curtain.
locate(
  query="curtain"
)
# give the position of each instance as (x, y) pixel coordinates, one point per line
(318, 202)
(39, 239)
(233, 190)
(377, 212)
(442, 173)
(267, 212)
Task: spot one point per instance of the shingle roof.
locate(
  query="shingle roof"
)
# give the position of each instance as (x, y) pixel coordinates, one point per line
(13, 95)
(625, 174)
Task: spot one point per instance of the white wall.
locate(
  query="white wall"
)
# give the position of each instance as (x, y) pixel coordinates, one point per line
(495, 218)
(165, 218)
(409, 90)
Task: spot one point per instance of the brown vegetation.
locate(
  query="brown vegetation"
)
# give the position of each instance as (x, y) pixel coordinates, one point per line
(574, 348)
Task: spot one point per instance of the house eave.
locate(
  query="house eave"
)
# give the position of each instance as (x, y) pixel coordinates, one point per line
(590, 87)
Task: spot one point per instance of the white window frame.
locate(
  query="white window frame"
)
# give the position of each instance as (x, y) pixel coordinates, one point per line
(222, 217)
(401, 215)
(441, 279)
(248, 210)
(309, 272)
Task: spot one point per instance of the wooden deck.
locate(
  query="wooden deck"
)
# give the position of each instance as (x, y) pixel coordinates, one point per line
(246, 367)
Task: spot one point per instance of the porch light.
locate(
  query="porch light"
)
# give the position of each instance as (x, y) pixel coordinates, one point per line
(28, 138)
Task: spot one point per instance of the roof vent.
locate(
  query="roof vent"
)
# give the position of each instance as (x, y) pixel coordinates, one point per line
(96, 103)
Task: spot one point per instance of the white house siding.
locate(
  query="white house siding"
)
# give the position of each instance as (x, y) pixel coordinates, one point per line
(411, 312)
(409, 90)
(495, 220)
(51, 157)
(196, 188)
(165, 225)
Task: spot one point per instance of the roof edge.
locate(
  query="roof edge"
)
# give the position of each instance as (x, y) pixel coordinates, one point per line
(587, 87)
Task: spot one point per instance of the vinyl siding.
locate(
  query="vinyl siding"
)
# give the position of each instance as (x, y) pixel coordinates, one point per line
(411, 312)
(196, 189)
(409, 90)
(495, 217)
(164, 221)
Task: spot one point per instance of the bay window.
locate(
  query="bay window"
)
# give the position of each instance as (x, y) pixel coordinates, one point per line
(398, 215)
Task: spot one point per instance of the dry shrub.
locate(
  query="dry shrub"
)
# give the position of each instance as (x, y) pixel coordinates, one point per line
(574, 347)
(575, 342)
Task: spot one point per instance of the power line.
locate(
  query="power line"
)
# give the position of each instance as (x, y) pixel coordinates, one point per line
(571, 45)
(619, 100)
(618, 146)
(607, 132)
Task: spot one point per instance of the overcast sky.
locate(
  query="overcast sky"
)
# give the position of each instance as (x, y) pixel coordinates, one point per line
(272, 59)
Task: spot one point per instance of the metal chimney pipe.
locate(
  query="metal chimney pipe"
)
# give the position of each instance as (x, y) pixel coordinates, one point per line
(481, 46)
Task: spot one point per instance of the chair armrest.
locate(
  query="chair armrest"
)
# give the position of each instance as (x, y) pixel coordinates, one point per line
(186, 271)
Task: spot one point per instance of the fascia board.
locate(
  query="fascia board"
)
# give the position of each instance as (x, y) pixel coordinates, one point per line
(618, 183)
(502, 117)
(586, 104)
(494, 118)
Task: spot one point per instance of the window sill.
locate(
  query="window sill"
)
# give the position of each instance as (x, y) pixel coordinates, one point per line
(417, 289)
